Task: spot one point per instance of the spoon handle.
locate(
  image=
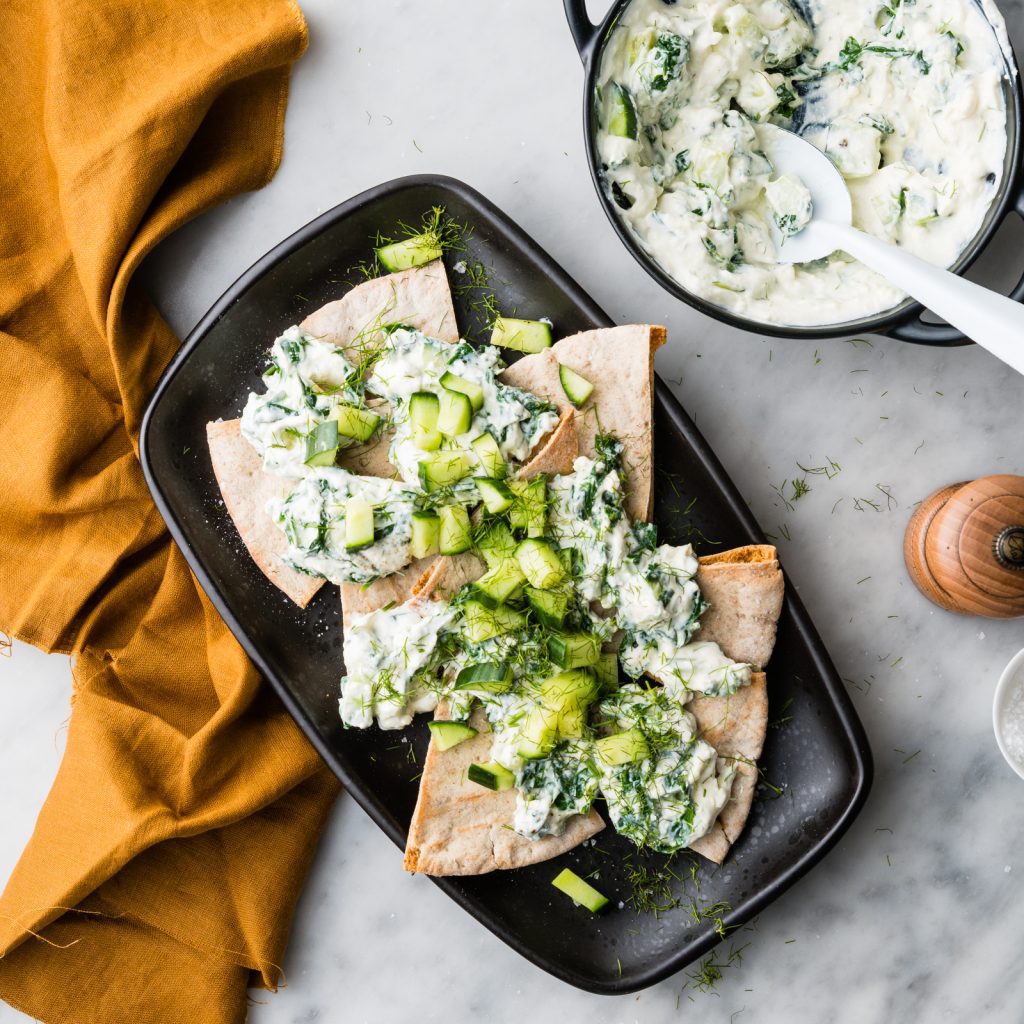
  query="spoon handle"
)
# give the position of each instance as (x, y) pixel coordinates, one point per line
(992, 320)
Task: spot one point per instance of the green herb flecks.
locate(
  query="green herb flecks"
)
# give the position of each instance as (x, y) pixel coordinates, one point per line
(853, 52)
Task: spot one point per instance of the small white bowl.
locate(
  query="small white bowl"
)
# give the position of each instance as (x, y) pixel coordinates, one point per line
(1010, 681)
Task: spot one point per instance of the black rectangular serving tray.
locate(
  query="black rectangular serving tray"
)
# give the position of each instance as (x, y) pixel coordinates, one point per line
(819, 759)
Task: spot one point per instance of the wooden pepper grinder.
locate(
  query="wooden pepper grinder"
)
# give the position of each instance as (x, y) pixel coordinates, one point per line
(964, 547)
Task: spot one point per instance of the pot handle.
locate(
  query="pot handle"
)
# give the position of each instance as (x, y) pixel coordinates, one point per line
(584, 31)
(921, 332)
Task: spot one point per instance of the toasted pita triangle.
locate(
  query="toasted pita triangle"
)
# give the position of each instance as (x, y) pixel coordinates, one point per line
(619, 362)
(745, 589)
(460, 828)
(246, 489)
(419, 297)
(735, 726)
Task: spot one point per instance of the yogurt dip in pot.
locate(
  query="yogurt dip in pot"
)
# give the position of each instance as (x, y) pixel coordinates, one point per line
(907, 99)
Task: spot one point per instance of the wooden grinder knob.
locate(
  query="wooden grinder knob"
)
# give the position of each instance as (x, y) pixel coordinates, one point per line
(964, 547)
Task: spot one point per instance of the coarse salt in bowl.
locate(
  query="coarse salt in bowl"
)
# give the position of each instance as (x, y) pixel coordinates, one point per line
(1008, 713)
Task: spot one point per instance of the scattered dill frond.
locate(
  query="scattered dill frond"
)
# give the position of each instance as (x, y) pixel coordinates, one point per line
(709, 971)
(652, 892)
(784, 718)
(829, 471)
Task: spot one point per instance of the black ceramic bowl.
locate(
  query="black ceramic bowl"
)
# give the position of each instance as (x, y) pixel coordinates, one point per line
(903, 321)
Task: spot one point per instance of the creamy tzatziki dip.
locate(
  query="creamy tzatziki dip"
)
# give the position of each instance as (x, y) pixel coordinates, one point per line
(391, 655)
(306, 379)
(906, 99)
(313, 518)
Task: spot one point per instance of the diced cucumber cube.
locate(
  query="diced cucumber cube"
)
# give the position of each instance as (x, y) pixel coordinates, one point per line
(521, 335)
(474, 392)
(574, 650)
(488, 454)
(443, 468)
(529, 510)
(426, 534)
(456, 535)
(583, 894)
(410, 252)
(623, 747)
(496, 495)
(456, 413)
(481, 623)
(358, 524)
(549, 606)
(540, 564)
(424, 407)
(495, 543)
(560, 712)
(355, 423)
(539, 732)
(497, 585)
(577, 389)
(486, 676)
(607, 671)
(426, 440)
(622, 119)
(450, 734)
(758, 93)
(491, 776)
(322, 444)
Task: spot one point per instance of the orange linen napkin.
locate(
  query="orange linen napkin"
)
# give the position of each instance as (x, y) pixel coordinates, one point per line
(167, 859)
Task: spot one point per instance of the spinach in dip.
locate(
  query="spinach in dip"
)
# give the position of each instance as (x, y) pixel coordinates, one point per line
(648, 588)
(307, 379)
(672, 796)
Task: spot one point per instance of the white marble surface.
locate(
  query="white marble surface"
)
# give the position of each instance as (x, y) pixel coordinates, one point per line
(918, 923)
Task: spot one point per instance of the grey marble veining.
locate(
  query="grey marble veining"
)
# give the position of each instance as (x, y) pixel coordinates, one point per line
(916, 915)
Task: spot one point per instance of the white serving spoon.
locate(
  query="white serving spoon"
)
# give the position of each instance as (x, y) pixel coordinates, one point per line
(992, 320)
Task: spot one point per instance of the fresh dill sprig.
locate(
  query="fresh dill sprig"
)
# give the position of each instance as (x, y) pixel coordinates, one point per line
(652, 892)
(438, 228)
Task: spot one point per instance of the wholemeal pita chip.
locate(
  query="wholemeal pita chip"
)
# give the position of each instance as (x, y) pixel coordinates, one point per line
(246, 489)
(619, 362)
(745, 589)
(419, 297)
(461, 828)
(735, 726)
(444, 575)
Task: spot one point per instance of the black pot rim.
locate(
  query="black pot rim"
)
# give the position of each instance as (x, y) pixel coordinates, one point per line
(907, 313)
